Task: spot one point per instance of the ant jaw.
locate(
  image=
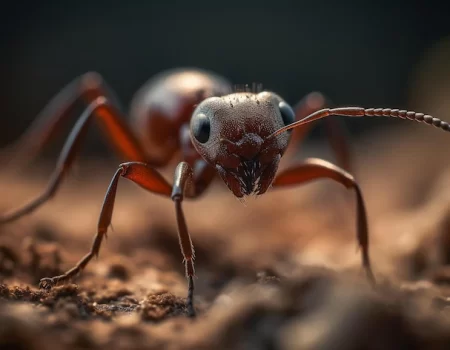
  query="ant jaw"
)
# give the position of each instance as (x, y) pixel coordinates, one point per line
(250, 177)
(231, 180)
(268, 175)
(248, 165)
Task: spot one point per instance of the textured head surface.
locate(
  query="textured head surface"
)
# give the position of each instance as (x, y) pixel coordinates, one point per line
(230, 133)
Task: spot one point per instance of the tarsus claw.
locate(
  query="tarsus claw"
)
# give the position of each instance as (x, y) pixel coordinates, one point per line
(47, 283)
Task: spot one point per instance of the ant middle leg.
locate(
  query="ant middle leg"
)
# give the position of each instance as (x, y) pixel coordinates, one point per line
(139, 173)
(119, 134)
(313, 169)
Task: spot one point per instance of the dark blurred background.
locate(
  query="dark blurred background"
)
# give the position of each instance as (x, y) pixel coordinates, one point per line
(366, 53)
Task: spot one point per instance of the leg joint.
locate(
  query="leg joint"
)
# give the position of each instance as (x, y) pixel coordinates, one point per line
(92, 80)
(124, 168)
(177, 196)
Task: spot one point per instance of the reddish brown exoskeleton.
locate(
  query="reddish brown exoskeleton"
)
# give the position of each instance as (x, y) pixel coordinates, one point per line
(195, 114)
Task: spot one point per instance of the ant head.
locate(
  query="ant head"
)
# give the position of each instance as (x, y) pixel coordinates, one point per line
(232, 134)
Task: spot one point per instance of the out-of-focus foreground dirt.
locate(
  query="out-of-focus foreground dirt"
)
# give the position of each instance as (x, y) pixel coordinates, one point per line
(278, 272)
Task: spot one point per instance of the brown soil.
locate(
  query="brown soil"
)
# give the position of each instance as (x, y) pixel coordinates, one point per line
(278, 272)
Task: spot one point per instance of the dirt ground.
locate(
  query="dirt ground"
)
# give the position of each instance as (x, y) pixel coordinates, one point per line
(278, 272)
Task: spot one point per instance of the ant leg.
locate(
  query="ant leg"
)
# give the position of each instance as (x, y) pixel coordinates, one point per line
(141, 174)
(336, 132)
(57, 112)
(313, 169)
(151, 180)
(182, 184)
(120, 136)
(189, 183)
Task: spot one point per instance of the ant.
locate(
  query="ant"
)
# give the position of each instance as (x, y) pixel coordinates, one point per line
(195, 115)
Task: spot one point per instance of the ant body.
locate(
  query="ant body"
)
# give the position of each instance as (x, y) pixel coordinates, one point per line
(194, 113)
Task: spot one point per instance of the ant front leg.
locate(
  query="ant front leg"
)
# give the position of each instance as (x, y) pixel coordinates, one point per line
(151, 180)
(335, 130)
(313, 169)
(190, 183)
(119, 134)
(182, 182)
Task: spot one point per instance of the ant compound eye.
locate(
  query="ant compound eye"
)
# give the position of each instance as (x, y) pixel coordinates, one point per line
(287, 113)
(201, 127)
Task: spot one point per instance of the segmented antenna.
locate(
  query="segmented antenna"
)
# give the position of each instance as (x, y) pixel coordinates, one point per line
(411, 115)
(369, 112)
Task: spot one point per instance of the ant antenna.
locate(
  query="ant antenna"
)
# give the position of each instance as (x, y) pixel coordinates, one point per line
(366, 112)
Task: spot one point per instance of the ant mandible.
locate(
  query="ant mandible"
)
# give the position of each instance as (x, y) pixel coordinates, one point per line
(241, 135)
